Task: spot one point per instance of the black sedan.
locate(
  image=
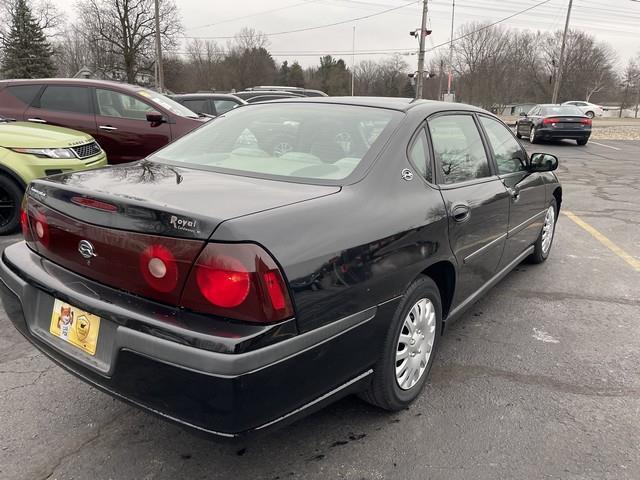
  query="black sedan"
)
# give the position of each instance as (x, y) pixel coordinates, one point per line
(211, 104)
(230, 289)
(554, 122)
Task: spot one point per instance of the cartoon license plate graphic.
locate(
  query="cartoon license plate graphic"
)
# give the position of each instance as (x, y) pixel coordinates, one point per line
(75, 326)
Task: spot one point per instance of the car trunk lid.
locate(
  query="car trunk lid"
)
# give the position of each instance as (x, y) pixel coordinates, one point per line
(106, 224)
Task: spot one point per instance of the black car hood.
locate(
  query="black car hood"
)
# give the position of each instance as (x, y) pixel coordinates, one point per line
(167, 200)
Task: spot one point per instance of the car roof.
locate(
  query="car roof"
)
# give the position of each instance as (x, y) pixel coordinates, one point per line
(219, 96)
(72, 81)
(392, 103)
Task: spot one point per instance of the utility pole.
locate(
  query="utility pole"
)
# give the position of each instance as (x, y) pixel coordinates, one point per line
(353, 62)
(159, 67)
(423, 37)
(453, 17)
(556, 87)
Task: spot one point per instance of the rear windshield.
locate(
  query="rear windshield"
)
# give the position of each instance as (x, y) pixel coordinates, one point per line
(306, 141)
(561, 110)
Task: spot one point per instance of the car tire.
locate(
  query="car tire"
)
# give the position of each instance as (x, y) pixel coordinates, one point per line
(532, 135)
(518, 132)
(582, 141)
(543, 244)
(590, 114)
(390, 389)
(10, 201)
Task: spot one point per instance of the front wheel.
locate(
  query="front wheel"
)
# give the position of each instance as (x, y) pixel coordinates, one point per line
(590, 114)
(542, 247)
(10, 200)
(409, 348)
(518, 131)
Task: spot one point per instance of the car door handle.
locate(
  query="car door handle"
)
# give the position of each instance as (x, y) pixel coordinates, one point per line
(36, 120)
(107, 128)
(460, 212)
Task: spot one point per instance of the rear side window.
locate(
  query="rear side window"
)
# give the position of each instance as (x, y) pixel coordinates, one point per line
(61, 98)
(458, 148)
(419, 155)
(25, 93)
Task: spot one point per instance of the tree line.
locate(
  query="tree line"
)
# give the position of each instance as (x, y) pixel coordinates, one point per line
(492, 66)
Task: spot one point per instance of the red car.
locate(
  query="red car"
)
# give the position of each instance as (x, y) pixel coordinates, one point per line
(129, 122)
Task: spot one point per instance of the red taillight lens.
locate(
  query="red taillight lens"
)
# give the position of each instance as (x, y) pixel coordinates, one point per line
(223, 280)
(239, 281)
(587, 121)
(547, 121)
(275, 289)
(24, 223)
(159, 268)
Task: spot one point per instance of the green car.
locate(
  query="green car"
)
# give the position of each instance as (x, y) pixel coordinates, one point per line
(29, 151)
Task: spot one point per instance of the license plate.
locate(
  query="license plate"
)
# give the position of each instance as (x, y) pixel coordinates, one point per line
(75, 326)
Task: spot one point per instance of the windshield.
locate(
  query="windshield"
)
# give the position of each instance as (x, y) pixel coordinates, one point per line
(168, 104)
(570, 110)
(298, 140)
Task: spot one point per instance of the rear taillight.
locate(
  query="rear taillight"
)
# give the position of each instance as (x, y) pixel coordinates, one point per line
(239, 281)
(159, 268)
(587, 121)
(547, 121)
(24, 222)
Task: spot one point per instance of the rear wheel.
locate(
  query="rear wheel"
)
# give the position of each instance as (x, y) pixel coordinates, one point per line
(532, 135)
(409, 348)
(542, 246)
(582, 141)
(10, 200)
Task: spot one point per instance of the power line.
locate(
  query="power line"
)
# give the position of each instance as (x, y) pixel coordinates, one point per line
(263, 12)
(317, 27)
(489, 25)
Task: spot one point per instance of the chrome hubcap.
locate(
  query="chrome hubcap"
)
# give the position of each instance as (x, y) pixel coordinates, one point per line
(547, 229)
(415, 343)
(532, 134)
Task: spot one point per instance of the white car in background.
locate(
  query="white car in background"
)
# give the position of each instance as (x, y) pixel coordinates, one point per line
(589, 109)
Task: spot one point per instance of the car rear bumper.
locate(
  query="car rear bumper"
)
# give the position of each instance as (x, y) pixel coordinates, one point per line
(557, 133)
(225, 394)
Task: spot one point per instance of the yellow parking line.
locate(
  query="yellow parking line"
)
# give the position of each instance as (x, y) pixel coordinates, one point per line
(635, 263)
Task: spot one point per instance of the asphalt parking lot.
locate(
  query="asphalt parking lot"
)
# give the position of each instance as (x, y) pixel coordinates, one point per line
(540, 379)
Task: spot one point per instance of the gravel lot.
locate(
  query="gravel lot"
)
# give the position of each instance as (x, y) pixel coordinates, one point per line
(538, 380)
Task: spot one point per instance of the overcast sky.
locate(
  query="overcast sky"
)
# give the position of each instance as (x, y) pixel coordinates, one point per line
(614, 21)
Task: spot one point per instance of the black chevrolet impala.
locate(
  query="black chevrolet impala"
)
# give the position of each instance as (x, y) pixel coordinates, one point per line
(232, 283)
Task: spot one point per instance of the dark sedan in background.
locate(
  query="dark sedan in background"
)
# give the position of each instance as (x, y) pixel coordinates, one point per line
(231, 288)
(212, 104)
(554, 122)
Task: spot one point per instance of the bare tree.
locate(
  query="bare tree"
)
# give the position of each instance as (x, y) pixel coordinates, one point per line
(125, 29)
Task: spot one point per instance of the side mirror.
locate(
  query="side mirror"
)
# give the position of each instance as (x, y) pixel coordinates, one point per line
(155, 118)
(523, 114)
(542, 162)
